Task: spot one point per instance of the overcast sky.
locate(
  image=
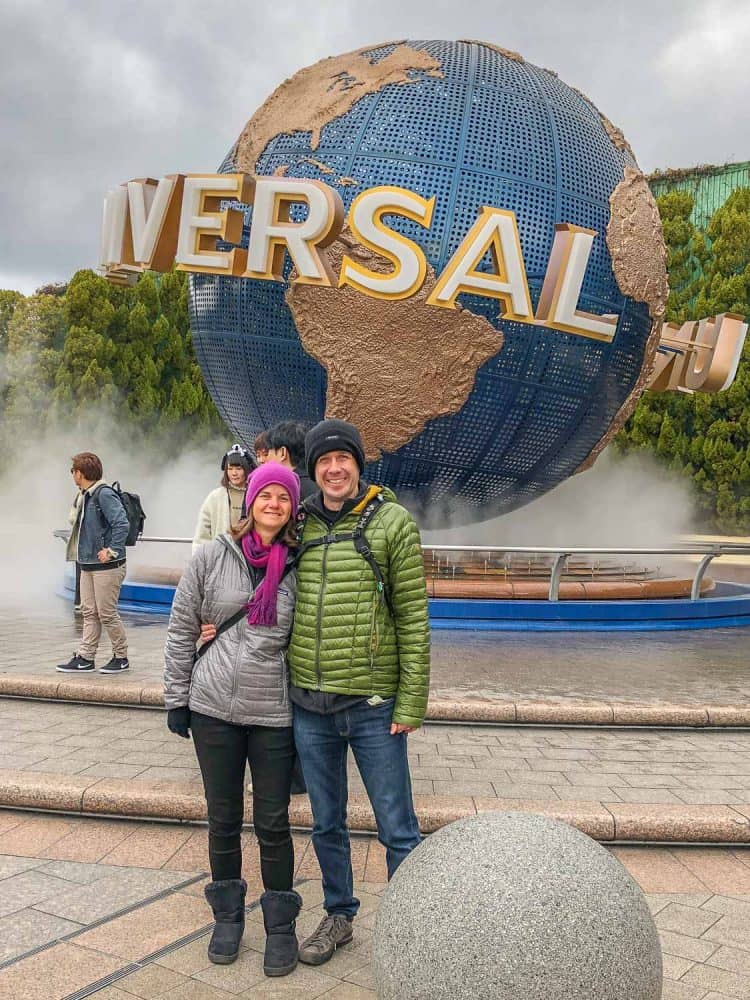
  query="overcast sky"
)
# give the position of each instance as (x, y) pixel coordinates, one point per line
(94, 94)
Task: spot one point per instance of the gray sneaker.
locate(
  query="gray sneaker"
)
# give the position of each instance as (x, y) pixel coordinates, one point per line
(332, 932)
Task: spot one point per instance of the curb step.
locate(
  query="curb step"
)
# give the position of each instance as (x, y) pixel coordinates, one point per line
(467, 710)
(175, 802)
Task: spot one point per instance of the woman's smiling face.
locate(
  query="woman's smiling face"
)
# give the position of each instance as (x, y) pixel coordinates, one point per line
(271, 509)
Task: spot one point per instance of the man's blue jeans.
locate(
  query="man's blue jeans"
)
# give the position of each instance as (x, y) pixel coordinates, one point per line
(322, 742)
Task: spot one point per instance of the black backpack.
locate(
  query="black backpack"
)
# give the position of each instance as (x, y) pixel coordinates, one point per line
(135, 514)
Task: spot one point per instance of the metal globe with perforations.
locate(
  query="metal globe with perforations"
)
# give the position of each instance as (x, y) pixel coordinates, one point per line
(473, 125)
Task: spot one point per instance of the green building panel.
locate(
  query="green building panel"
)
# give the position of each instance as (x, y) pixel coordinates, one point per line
(710, 186)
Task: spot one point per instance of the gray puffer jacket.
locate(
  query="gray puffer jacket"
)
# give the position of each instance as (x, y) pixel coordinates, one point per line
(243, 677)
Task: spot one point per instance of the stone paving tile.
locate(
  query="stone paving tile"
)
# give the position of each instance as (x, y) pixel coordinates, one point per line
(194, 990)
(661, 796)
(149, 982)
(674, 967)
(27, 888)
(150, 846)
(89, 842)
(147, 929)
(681, 946)
(55, 973)
(685, 920)
(28, 929)
(731, 930)
(34, 835)
(519, 791)
(729, 984)
(304, 984)
(88, 903)
(9, 819)
(12, 866)
(471, 788)
(729, 906)
(658, 871)
(114, 770)
(247, 971)
(731, 959)
(719, 871)
(77, 871)
(679, 991)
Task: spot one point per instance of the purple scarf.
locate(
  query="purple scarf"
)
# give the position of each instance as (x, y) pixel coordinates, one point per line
(261, 608)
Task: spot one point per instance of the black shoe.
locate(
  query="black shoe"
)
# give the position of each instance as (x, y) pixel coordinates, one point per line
(280, 910)
(116, 665)
(332, 932)
(76, 665)
(227, 900)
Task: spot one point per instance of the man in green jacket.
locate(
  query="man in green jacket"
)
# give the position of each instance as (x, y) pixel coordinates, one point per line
(360, 664)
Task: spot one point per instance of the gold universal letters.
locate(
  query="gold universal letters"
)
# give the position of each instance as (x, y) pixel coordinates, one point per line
(149, 224)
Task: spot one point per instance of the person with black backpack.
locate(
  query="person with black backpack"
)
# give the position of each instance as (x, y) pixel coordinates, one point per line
(100, 531)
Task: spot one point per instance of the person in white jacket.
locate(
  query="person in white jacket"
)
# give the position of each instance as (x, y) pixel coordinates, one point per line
(222, 508)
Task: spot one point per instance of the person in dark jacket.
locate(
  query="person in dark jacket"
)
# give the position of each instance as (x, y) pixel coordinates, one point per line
(234, 697)
(97, 545)
(285, 443)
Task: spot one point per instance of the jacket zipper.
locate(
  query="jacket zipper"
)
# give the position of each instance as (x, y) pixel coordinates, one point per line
(321, 595)
(284, 684)
(235, 672)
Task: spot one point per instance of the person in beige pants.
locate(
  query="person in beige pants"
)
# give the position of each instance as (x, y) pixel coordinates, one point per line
(97, 544)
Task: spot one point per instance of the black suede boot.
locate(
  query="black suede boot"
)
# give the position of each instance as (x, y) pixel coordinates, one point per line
(227, 900)
(280, 910)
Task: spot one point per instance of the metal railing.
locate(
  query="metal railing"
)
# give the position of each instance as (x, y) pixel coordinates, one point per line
(707, 550)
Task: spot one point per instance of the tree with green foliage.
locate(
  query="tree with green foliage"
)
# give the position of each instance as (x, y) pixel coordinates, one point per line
(93, 347)
(35, 336)
(8, 302)
(687, 253)
(85, 374)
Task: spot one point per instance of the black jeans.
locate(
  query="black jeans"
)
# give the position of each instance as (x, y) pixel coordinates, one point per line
(222, 750)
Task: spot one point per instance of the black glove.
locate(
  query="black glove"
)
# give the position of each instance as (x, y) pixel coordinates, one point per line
(178, 720)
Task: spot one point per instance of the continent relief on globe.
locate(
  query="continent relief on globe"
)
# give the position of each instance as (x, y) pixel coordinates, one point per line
(392, 366)
(639, 263)
(312, 98)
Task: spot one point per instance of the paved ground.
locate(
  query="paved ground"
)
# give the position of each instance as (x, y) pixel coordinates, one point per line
(697, 667)
(119, 905)
(664, 766)
(114, 908)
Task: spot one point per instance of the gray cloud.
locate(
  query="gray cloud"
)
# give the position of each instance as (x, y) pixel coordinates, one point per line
(95, 94)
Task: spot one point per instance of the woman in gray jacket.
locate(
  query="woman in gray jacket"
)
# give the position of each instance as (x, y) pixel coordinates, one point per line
(234, 698)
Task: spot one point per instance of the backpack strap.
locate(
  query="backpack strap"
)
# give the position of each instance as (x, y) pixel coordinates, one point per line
(225, 626)
(95, 498)
(358, 537)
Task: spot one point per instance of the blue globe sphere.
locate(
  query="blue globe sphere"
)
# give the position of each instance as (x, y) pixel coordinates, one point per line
(484, 128)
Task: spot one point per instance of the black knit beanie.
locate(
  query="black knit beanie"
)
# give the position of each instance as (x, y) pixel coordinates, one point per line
(332, 435)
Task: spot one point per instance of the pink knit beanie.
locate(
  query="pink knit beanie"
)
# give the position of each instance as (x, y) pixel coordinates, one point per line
(272, 472)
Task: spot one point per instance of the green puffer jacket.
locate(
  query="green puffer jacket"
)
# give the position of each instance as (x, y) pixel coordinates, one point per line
(344, 639)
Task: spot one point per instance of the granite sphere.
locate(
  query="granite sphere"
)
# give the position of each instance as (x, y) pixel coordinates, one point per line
(513, 906)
